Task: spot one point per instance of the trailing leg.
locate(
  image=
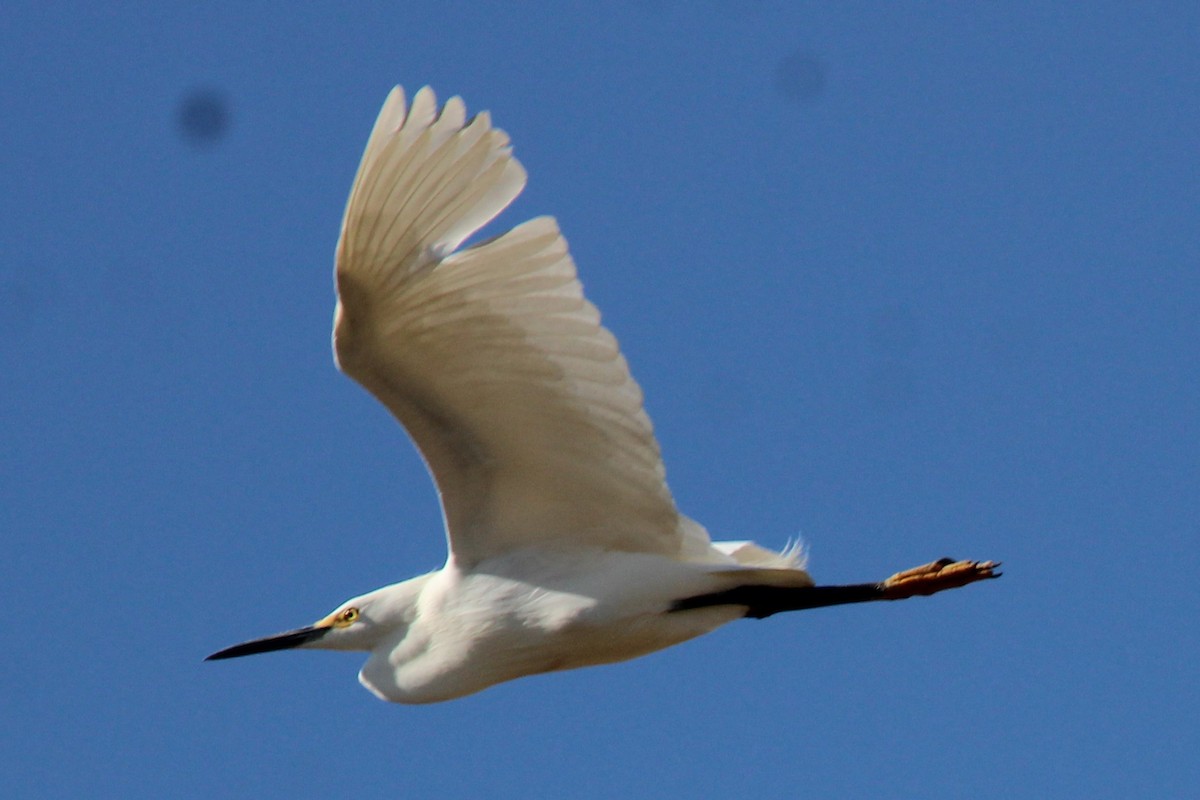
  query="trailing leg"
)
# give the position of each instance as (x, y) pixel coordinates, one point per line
(763, 601)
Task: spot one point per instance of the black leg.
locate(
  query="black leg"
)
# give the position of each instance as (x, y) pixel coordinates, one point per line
(763, 601)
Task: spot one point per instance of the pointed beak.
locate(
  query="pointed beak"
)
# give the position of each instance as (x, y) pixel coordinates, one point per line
(280, 641)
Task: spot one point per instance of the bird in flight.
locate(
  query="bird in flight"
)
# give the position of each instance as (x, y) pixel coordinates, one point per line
(565, 546)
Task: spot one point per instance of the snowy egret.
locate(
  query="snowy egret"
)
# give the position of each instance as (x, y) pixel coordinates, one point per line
(565, 545)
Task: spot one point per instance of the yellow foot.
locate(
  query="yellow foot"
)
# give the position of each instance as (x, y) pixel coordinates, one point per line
(945, 573)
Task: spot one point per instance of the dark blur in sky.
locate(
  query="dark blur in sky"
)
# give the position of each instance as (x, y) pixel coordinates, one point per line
(907, 280)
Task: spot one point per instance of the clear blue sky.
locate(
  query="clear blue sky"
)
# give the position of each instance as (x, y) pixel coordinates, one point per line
(909, 280)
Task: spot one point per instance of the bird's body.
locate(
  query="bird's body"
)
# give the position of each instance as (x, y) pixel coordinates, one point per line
(565, 545)
(533, 611)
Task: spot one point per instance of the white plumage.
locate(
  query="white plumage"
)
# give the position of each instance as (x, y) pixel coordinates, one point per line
(565, 546)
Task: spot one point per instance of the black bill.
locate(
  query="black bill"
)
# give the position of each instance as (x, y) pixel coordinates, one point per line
(280, 641)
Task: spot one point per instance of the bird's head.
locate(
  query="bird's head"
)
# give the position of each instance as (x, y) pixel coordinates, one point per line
(357, 624)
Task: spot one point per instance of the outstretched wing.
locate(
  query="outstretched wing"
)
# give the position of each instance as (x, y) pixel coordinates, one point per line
(518, 399)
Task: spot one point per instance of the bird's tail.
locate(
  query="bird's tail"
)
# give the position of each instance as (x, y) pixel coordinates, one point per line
(742, 557)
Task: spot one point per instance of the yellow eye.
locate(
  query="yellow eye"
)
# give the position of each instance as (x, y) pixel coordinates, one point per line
(347, 617)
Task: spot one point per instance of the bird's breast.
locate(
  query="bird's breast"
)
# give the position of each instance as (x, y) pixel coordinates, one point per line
(536, 613)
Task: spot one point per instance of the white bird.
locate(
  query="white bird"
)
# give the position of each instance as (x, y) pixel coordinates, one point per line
(565, 545)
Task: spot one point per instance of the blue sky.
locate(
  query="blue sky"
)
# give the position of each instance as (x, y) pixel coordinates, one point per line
(908, 280)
